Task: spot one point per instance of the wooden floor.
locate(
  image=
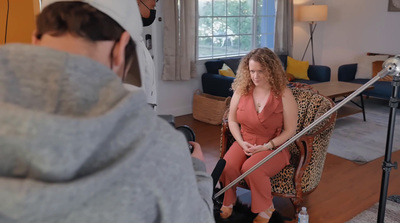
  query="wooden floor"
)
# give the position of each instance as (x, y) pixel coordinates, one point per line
(345, 190)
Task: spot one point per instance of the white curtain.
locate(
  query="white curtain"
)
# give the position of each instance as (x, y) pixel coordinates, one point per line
(284, 27)
(179, 39)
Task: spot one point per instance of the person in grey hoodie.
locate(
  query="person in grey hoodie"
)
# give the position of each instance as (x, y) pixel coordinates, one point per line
(75, 146)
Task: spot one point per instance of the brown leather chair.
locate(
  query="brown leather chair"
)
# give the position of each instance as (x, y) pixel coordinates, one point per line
(308, 153)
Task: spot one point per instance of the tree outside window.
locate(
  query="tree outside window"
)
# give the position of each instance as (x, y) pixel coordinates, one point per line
(234, 27)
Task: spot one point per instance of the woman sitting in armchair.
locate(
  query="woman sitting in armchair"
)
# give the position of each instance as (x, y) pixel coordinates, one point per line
(263, 115)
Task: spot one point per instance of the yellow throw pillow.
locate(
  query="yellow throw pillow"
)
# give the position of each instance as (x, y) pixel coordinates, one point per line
(297, 68)
(226, 71)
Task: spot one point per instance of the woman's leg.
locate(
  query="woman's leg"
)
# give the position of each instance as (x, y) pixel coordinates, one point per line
(259, 180)
(234, 158)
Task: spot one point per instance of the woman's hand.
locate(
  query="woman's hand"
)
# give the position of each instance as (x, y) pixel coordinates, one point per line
(257, 148)
(246, 146)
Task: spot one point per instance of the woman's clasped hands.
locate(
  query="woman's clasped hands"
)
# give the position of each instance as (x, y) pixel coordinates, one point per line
(251, 149)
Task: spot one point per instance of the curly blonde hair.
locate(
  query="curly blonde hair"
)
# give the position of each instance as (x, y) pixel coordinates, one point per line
(269, 61)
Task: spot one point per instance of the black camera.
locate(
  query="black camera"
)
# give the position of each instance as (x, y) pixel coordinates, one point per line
(188, 133)
(186, 130)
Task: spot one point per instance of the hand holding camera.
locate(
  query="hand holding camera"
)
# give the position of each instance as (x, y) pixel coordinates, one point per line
(189, 135)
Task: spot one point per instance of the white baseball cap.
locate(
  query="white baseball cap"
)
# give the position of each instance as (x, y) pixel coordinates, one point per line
(126, 14)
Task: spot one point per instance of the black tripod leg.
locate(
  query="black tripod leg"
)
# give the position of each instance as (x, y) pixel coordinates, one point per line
(387, 164)
(362, 106)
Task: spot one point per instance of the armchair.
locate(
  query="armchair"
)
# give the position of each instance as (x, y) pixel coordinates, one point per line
(308, 153)
(382, 89)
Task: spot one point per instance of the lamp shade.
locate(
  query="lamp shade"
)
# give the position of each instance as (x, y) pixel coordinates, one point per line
(313, 13)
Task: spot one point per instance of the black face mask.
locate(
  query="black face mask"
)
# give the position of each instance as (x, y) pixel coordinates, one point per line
(150, 20)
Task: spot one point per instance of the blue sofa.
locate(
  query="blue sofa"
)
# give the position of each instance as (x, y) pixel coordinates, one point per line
(382, 89)
(215, 84)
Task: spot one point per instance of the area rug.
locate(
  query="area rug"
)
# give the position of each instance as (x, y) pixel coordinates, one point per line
(360, 141)
(392, 212)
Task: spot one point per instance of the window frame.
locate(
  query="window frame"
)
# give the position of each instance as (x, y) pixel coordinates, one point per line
(254, 32)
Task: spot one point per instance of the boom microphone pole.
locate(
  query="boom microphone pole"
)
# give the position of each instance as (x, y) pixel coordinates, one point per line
(390, 67)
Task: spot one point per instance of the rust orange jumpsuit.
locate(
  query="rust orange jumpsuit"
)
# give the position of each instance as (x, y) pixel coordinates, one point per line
(256, 128)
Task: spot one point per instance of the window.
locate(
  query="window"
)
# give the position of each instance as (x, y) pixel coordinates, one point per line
(234, 27)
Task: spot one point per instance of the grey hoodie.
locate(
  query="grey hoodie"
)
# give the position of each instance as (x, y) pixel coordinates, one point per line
(76, 147)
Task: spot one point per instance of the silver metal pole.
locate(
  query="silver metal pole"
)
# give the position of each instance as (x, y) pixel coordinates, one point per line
(390, 67)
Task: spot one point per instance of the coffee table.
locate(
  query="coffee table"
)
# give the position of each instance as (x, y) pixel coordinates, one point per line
(335, 89)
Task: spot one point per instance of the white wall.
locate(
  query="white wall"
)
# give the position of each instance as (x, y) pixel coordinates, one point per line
(353, 28)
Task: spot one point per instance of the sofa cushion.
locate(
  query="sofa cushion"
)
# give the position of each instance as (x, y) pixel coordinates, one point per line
(283, 60)
(382, 89)
(226, 71)
(297, 68)
(213, 66)
(216, 84)
(233, 63)
(364, 65)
